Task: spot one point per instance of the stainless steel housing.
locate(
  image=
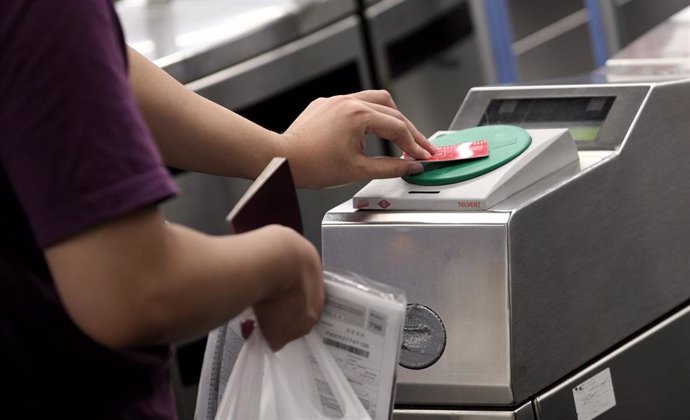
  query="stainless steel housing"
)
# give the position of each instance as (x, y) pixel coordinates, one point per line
(537, 287)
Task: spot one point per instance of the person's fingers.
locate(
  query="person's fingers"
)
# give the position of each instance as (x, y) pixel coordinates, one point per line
(388, 167)
(277, 339)
(381, 97)
(418, 137)
(246, 327)
(300, 293)
(422, 140)
(382, 101)
(386, 110)
(274, 327)
(397, 131)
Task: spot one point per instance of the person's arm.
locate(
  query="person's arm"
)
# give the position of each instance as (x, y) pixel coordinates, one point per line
(324, 145)
(136, 281)
(87, 175)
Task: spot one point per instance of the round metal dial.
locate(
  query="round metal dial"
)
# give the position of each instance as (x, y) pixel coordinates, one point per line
(424, 337)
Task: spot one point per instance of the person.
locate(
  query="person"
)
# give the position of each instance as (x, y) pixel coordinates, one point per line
(94, 285)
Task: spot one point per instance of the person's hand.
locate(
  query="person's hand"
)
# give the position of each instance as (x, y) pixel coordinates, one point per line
(295, 304)
(325, 144)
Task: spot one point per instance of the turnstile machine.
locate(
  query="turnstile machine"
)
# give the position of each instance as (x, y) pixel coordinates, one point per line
(555, 286)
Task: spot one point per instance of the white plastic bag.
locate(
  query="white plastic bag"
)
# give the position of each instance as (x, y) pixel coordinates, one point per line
(302, 381)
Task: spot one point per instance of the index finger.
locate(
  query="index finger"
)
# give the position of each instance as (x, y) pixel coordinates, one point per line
(381, 97)
(420, 138)
(381, 101)
(397, 131)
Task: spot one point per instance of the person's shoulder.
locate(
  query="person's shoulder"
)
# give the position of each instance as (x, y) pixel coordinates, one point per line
(58, 7)
(50, 16)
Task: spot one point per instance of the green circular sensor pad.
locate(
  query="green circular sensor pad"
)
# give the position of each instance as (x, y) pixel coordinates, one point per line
(505, 143)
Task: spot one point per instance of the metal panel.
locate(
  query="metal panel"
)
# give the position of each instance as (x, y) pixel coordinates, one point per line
(625, 21)
(661, 54)
(519, 44)
(526, 412)
(426, 55)
(274, 72)
(525, 21)
(623, 244)
(459, 272)
(193, 38)
(629, 98)
(390, 20)
(346, 215)
(582, 253)
(313, 15)
(650, 377)
(557, 54)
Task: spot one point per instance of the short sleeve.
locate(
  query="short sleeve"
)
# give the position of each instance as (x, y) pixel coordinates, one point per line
(73, 143)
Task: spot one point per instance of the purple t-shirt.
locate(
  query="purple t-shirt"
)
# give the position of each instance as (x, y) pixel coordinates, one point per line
(74, 152)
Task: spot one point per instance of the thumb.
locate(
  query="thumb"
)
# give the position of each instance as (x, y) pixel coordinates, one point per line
(390, 167)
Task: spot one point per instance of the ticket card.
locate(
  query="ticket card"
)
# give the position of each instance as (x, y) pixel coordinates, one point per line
(460, 151)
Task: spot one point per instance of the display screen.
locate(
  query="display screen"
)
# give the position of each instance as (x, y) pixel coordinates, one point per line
(582, 116)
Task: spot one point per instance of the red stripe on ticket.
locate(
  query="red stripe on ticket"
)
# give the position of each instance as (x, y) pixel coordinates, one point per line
(461, 151)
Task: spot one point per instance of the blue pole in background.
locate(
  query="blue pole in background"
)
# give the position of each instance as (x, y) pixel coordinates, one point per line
(501, 34)
(597, 32)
